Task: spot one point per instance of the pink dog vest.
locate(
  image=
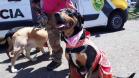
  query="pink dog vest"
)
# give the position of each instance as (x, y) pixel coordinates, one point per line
(53, 6)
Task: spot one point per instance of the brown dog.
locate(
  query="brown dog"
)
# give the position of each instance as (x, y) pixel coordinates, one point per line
(24, 40)
(85, 59)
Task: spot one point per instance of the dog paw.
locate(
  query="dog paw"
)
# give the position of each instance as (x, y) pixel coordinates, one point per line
(11, 54)
(13, 70)
(34, 59)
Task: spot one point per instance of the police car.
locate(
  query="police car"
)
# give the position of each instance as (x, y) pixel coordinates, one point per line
(109, 13)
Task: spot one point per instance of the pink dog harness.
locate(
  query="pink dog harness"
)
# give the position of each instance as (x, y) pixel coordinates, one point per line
(100, 60)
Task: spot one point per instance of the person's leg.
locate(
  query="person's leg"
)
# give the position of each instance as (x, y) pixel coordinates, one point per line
(54, 39)
(56, 52)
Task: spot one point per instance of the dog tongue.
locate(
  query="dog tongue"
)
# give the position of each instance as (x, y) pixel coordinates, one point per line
(63, 27)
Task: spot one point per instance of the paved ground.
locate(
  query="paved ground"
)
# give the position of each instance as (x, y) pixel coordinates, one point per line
(122, 48)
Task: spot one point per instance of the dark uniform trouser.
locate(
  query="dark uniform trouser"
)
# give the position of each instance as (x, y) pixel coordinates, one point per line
(54, 39)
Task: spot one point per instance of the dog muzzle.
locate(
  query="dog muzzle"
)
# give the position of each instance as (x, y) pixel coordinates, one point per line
(61, 23)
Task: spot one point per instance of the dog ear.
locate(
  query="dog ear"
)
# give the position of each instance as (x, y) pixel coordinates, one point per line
(79, 17)
(75, 13)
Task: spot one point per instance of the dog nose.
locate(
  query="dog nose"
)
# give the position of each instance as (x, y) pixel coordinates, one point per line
(59, 19)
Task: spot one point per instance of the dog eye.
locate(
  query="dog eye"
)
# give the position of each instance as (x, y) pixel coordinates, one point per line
(70, 14)
(71, 23)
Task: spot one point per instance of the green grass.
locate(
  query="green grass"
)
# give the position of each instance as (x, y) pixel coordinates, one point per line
(133, 13)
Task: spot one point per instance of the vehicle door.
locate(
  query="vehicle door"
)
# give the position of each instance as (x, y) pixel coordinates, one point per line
(15, 13)
(92, 10)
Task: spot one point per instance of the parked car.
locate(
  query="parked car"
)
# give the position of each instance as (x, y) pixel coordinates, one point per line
(109, 13)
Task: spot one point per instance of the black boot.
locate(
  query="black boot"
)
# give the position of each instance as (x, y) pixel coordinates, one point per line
(53, 65)
(56, 60)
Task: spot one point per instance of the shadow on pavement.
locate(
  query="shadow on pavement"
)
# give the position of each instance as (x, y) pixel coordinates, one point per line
(5, 61)
(2, 45)
(23, 65)
(97, 31)
(22, 56)
(41, 73)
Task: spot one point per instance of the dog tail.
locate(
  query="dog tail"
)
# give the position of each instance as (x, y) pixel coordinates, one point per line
(2, 40)
(3, 43)
(131, 76)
